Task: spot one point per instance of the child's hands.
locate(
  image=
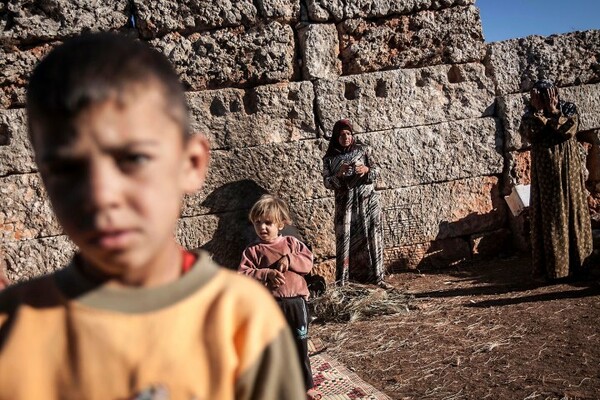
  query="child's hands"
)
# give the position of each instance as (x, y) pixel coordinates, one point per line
(283, 264)
(275, 278)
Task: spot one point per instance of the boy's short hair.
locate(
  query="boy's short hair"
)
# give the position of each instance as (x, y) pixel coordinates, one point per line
(91, 68)
(272, 207)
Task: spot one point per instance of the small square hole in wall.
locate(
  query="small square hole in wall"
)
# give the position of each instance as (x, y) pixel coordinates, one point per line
(351, 91)
(4, 135)
(381, 90)
(217, 108)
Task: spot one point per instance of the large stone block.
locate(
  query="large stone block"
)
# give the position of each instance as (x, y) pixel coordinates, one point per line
(437, 153)
(324, 10)
(257, 116)
(238, 177)
(427, 38)
(26, 259)
(425, 213)
(161, 17)
(320, 48)
(25, 212)
(512, 107)
(569, 59)
(15, 67)
(404, 98)
(16, 154)
(314, 220)
(287, 10)
(25, 21)
(232, 56)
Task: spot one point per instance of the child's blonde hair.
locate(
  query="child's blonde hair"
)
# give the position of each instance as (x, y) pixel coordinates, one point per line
(271, 207)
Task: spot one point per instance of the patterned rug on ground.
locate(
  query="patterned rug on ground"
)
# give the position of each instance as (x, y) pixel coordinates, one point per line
(336, 382)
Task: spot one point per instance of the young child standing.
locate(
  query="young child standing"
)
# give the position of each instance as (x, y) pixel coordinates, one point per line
(279, 263)
(133, 315)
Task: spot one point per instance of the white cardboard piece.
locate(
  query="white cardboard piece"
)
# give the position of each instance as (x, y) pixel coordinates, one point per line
(518, 199)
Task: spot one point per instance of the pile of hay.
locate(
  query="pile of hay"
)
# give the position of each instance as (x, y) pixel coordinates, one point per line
(355, 302)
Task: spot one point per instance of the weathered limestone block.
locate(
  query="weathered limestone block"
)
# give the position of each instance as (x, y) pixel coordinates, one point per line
(519, 167)
(426, 256)
(15, 67)
(16, 154)
(314, 219)
(195, 232)
(286, 10)
(26, 259)
(324, 10)
(427, 38)
(512, 107)
(425, 213)
(27, 21)
(320, 46)
(160, 17)
(257, 116)
(232, 56)
(25, 212)
(569, 59)
(436, 153)
(325, 269)
(292, 170)
(403, 98)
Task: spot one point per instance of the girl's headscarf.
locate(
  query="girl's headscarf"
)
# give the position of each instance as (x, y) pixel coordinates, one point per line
(334, 142)
(568, 109)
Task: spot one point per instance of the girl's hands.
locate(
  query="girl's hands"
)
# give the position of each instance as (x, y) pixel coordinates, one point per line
(275, 278)
(283, 264)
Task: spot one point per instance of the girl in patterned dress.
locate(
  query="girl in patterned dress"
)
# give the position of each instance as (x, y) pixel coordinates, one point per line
(349, 170)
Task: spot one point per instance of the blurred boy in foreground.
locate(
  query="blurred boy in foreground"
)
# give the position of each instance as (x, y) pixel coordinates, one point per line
(133, 315)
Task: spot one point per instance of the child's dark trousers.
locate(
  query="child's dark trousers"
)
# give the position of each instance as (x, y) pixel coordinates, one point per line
(296, 313)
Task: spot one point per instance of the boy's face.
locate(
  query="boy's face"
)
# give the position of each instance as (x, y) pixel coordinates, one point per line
(267, 229)
(116, 175)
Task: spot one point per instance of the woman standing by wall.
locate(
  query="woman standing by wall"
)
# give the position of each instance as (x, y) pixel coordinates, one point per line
(561, 235)
(349, 170)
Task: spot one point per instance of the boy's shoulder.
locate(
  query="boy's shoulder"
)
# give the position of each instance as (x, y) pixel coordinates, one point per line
(40, 292)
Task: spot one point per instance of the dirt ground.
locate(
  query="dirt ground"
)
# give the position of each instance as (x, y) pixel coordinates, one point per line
(482, 331)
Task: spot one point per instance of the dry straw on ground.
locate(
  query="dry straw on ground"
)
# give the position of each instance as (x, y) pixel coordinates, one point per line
(355, 302)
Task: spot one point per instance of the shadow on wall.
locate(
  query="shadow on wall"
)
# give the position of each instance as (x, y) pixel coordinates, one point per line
(473, 237)
(231, 203)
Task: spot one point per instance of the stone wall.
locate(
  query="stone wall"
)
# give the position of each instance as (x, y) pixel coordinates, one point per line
(266, 81)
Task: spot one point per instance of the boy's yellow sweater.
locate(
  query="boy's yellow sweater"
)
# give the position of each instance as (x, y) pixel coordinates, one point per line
(210, 335)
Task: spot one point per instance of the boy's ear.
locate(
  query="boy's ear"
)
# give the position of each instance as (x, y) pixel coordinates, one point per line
(197, 158)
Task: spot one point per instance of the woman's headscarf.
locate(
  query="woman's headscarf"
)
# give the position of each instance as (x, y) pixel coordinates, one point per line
(568, 109)
(334, 142)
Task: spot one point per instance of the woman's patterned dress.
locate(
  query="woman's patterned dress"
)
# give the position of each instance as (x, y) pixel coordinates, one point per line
(358, 229)
(561, 235)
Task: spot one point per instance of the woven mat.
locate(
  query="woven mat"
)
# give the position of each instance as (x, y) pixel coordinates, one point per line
(336, 382)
